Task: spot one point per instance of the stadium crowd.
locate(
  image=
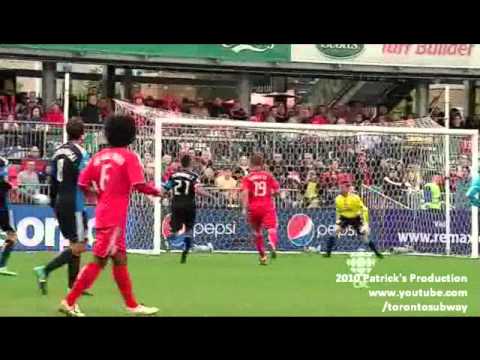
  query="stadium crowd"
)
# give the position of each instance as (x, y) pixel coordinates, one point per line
(312, 181)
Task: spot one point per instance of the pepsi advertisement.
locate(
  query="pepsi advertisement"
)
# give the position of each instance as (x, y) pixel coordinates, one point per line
(425, 230)
(227, 229)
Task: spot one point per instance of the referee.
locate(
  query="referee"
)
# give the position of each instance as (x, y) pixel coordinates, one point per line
(350, 211)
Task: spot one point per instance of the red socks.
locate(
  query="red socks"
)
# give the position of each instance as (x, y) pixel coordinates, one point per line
(122, 278)
(85, 279)
(89, 274)
(259, 243)
(273, 238)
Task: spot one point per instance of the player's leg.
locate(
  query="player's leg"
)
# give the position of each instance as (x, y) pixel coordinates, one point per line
(73, 230)
(340, 226)
(106, 243)
(189, 221)
(6, 225)
(85, 280)
(77, 249)
(271, 224)
(364, 232)
(255, 220)
(123, 281)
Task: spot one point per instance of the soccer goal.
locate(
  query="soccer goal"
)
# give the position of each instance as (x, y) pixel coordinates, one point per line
(390, 167)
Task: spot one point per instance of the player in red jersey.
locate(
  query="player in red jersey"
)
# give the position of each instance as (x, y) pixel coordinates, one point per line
(258, 190)
(113, 173)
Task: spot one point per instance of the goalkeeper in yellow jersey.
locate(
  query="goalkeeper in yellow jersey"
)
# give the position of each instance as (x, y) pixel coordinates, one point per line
(350, 211)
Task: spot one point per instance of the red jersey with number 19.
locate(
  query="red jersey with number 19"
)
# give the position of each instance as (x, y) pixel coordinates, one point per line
(261, 186)
(114, 172)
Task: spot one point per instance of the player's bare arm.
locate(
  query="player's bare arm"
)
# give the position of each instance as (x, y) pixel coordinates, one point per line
(147, 189)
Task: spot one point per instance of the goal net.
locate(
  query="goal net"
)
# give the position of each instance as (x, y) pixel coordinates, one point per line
(413, 180)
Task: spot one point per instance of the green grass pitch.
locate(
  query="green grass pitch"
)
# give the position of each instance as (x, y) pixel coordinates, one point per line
(235, 285)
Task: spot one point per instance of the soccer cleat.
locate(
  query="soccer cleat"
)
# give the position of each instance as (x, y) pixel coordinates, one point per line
(39, 272)
(263, 260)
(142, 310)
(73, 311)
(379, 255)
(273, 253)
(5, 272)
(326, 255)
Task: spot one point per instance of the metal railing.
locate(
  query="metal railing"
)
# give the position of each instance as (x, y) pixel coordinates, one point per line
(18, 137)
(34, 194)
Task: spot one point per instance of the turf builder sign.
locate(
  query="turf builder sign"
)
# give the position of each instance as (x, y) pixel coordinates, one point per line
(422, 55)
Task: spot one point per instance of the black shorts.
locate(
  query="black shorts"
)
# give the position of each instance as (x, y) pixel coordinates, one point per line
(182, 216)
(6, 222)
(73, 225)
(356, 223)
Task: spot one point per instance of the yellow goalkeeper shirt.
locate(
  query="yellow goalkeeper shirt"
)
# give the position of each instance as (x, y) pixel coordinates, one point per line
(350, 207)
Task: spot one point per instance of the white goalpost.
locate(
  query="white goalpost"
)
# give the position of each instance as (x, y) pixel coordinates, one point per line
(298, 154)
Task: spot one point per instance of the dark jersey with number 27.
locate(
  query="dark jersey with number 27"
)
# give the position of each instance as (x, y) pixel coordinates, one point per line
(182, 183)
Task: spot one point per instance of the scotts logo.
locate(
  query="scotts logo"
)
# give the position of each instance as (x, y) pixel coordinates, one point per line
(236, 48)
(300, 230)
(340, 51)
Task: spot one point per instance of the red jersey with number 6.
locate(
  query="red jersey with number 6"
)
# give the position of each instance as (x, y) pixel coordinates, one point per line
(113, 172)
(261, 186)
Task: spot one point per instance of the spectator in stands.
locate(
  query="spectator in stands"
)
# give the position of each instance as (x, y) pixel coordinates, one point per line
(393, 184)
(105, 108)
(34, 153)
(329, 178)
(147, 158)
(279, 173)
(281, 114)
(293, 116)
(271, 117)
(277, 160)
(10, 124)
(217, 108)
(412, 179)
(90, 113)
(208, 177)
(206, 159)
(227, 183)
(237, 112)
(341, 121)
(28, 179)
(92, 90)
(382, 111)
(54, 115)
(363, 172)
(258, 114)
(358, 119)
(311, 190)
(35, 114)
(320, 118)
(457, 121)
(199, 109)
(138, 99)
(150, 172)
(150, 101)
(242, 169)
(21, 110)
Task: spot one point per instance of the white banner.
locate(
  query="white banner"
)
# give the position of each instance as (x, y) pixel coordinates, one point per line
(426, 55)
